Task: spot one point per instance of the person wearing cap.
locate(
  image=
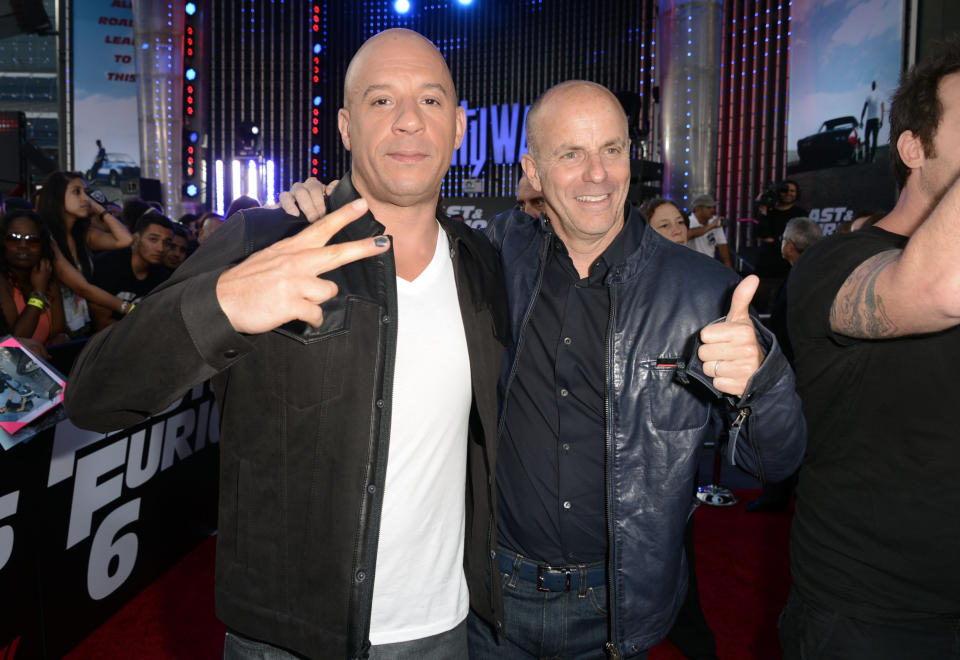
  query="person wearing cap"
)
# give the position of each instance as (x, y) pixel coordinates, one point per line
(705, 233)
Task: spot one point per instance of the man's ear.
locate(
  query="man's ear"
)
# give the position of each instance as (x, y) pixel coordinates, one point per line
(343, 123)
(461, 127)
(910, 149)
(530, 169)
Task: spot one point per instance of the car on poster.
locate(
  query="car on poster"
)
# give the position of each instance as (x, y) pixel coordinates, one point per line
(838, 140)
(116, 168)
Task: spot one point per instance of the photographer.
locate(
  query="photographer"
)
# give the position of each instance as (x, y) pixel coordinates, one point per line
(773, 218)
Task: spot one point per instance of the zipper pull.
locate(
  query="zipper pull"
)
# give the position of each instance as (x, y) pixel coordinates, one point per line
(741, 418)
(612, 651)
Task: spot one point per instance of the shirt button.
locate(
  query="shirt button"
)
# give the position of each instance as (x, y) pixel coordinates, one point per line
(566, 447)
(567, 341)
(386, 319)
(567, 505)
(371, 489)
(231, 353)
(563, 392)
(379, 403)
(361, 576)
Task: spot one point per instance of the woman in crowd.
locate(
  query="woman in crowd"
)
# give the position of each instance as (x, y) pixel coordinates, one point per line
(79, 225)
(29, 295)
(666, 219)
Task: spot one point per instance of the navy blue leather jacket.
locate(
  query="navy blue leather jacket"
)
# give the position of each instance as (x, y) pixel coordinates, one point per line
(660, 408)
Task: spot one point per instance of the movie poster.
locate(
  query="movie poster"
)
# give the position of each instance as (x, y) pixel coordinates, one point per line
(105, 94)
(844, 66)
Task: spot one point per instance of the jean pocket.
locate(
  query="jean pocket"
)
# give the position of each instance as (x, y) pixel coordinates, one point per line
(598, 600)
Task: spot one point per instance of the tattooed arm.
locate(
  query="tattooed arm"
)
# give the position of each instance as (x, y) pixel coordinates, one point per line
(911, 291)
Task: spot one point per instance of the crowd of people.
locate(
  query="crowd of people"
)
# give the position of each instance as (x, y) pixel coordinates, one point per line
(442, 444)
(76, 263)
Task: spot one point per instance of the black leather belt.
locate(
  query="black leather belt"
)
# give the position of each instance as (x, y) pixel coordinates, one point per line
(552, 578)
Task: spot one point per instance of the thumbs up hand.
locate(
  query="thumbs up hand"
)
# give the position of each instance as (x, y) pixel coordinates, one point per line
(729, 351)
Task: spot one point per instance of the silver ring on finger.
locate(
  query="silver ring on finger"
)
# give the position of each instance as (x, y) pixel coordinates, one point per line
(716, 368)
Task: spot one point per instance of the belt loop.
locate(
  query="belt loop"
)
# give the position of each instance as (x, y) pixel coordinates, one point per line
(517, 560)
(583, 581)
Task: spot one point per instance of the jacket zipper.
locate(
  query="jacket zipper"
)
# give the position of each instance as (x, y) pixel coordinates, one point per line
(365, 558)
(611, 646)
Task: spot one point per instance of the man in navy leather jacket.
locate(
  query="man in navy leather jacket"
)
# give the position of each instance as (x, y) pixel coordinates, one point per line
(626, 354)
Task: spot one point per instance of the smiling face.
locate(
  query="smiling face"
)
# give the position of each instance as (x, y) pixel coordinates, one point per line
(581, 161)
(667, 220)
(402, 121)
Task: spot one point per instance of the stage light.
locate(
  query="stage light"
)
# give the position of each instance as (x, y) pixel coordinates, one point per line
(401, 6)
(194, 136)
(253, 180)
(271, 184)
(236, 179)
(190, 8)
(192, 190)
(190, 73)
(218, 186)
(316, 148)
(317, 100)
(465, 2)
(317, 48)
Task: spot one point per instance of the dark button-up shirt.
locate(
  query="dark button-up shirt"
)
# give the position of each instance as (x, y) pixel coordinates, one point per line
(550, 467)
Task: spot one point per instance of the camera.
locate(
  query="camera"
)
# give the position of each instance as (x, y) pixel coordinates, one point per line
(770, 197)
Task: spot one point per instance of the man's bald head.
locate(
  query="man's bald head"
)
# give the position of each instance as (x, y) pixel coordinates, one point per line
(562, 92)
(375, 47)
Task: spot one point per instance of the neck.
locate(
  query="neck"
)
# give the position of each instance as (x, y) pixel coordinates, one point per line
(139, 266)
(584, 250)
(913, 207)
(783, 207)
(413, 231)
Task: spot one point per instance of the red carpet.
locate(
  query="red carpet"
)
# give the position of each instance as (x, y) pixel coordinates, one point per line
(741, 562)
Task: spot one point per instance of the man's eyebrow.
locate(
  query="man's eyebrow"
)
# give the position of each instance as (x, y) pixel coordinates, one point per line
(387, 86)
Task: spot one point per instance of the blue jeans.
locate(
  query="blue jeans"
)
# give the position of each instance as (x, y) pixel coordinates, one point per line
(544, 625)
(450, 645)
(811, 632)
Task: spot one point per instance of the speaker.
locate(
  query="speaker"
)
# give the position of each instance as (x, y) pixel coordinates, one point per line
(11, 137)
(150, 190)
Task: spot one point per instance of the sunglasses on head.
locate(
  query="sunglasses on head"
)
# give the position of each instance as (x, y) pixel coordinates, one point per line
(15, 239)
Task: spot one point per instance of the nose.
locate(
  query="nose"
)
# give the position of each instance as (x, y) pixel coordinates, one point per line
(594, 170)
(408, 119)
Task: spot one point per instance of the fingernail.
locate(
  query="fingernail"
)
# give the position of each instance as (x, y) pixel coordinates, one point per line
(381, 241)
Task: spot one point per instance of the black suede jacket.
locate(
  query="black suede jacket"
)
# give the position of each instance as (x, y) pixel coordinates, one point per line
(304, 425)
(660, 408)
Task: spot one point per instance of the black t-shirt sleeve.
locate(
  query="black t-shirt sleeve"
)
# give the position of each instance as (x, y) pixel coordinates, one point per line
(821, 271)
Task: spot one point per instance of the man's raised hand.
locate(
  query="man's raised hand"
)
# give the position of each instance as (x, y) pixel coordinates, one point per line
(280, 283)
(729, 351)
(308, 197)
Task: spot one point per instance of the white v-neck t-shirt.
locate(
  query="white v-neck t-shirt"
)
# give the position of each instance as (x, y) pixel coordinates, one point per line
(419, 586)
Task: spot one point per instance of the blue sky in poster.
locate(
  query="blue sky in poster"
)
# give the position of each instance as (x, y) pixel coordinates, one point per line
(837, 48)
(105, 89)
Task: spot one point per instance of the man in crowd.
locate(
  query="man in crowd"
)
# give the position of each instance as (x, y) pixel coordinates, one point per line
(209, 223)
(873, 318)
(705, 233)
(179, 245)
(799, 234)
(132, 273)
(614, 372)
(358, 408)
(529, 201)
